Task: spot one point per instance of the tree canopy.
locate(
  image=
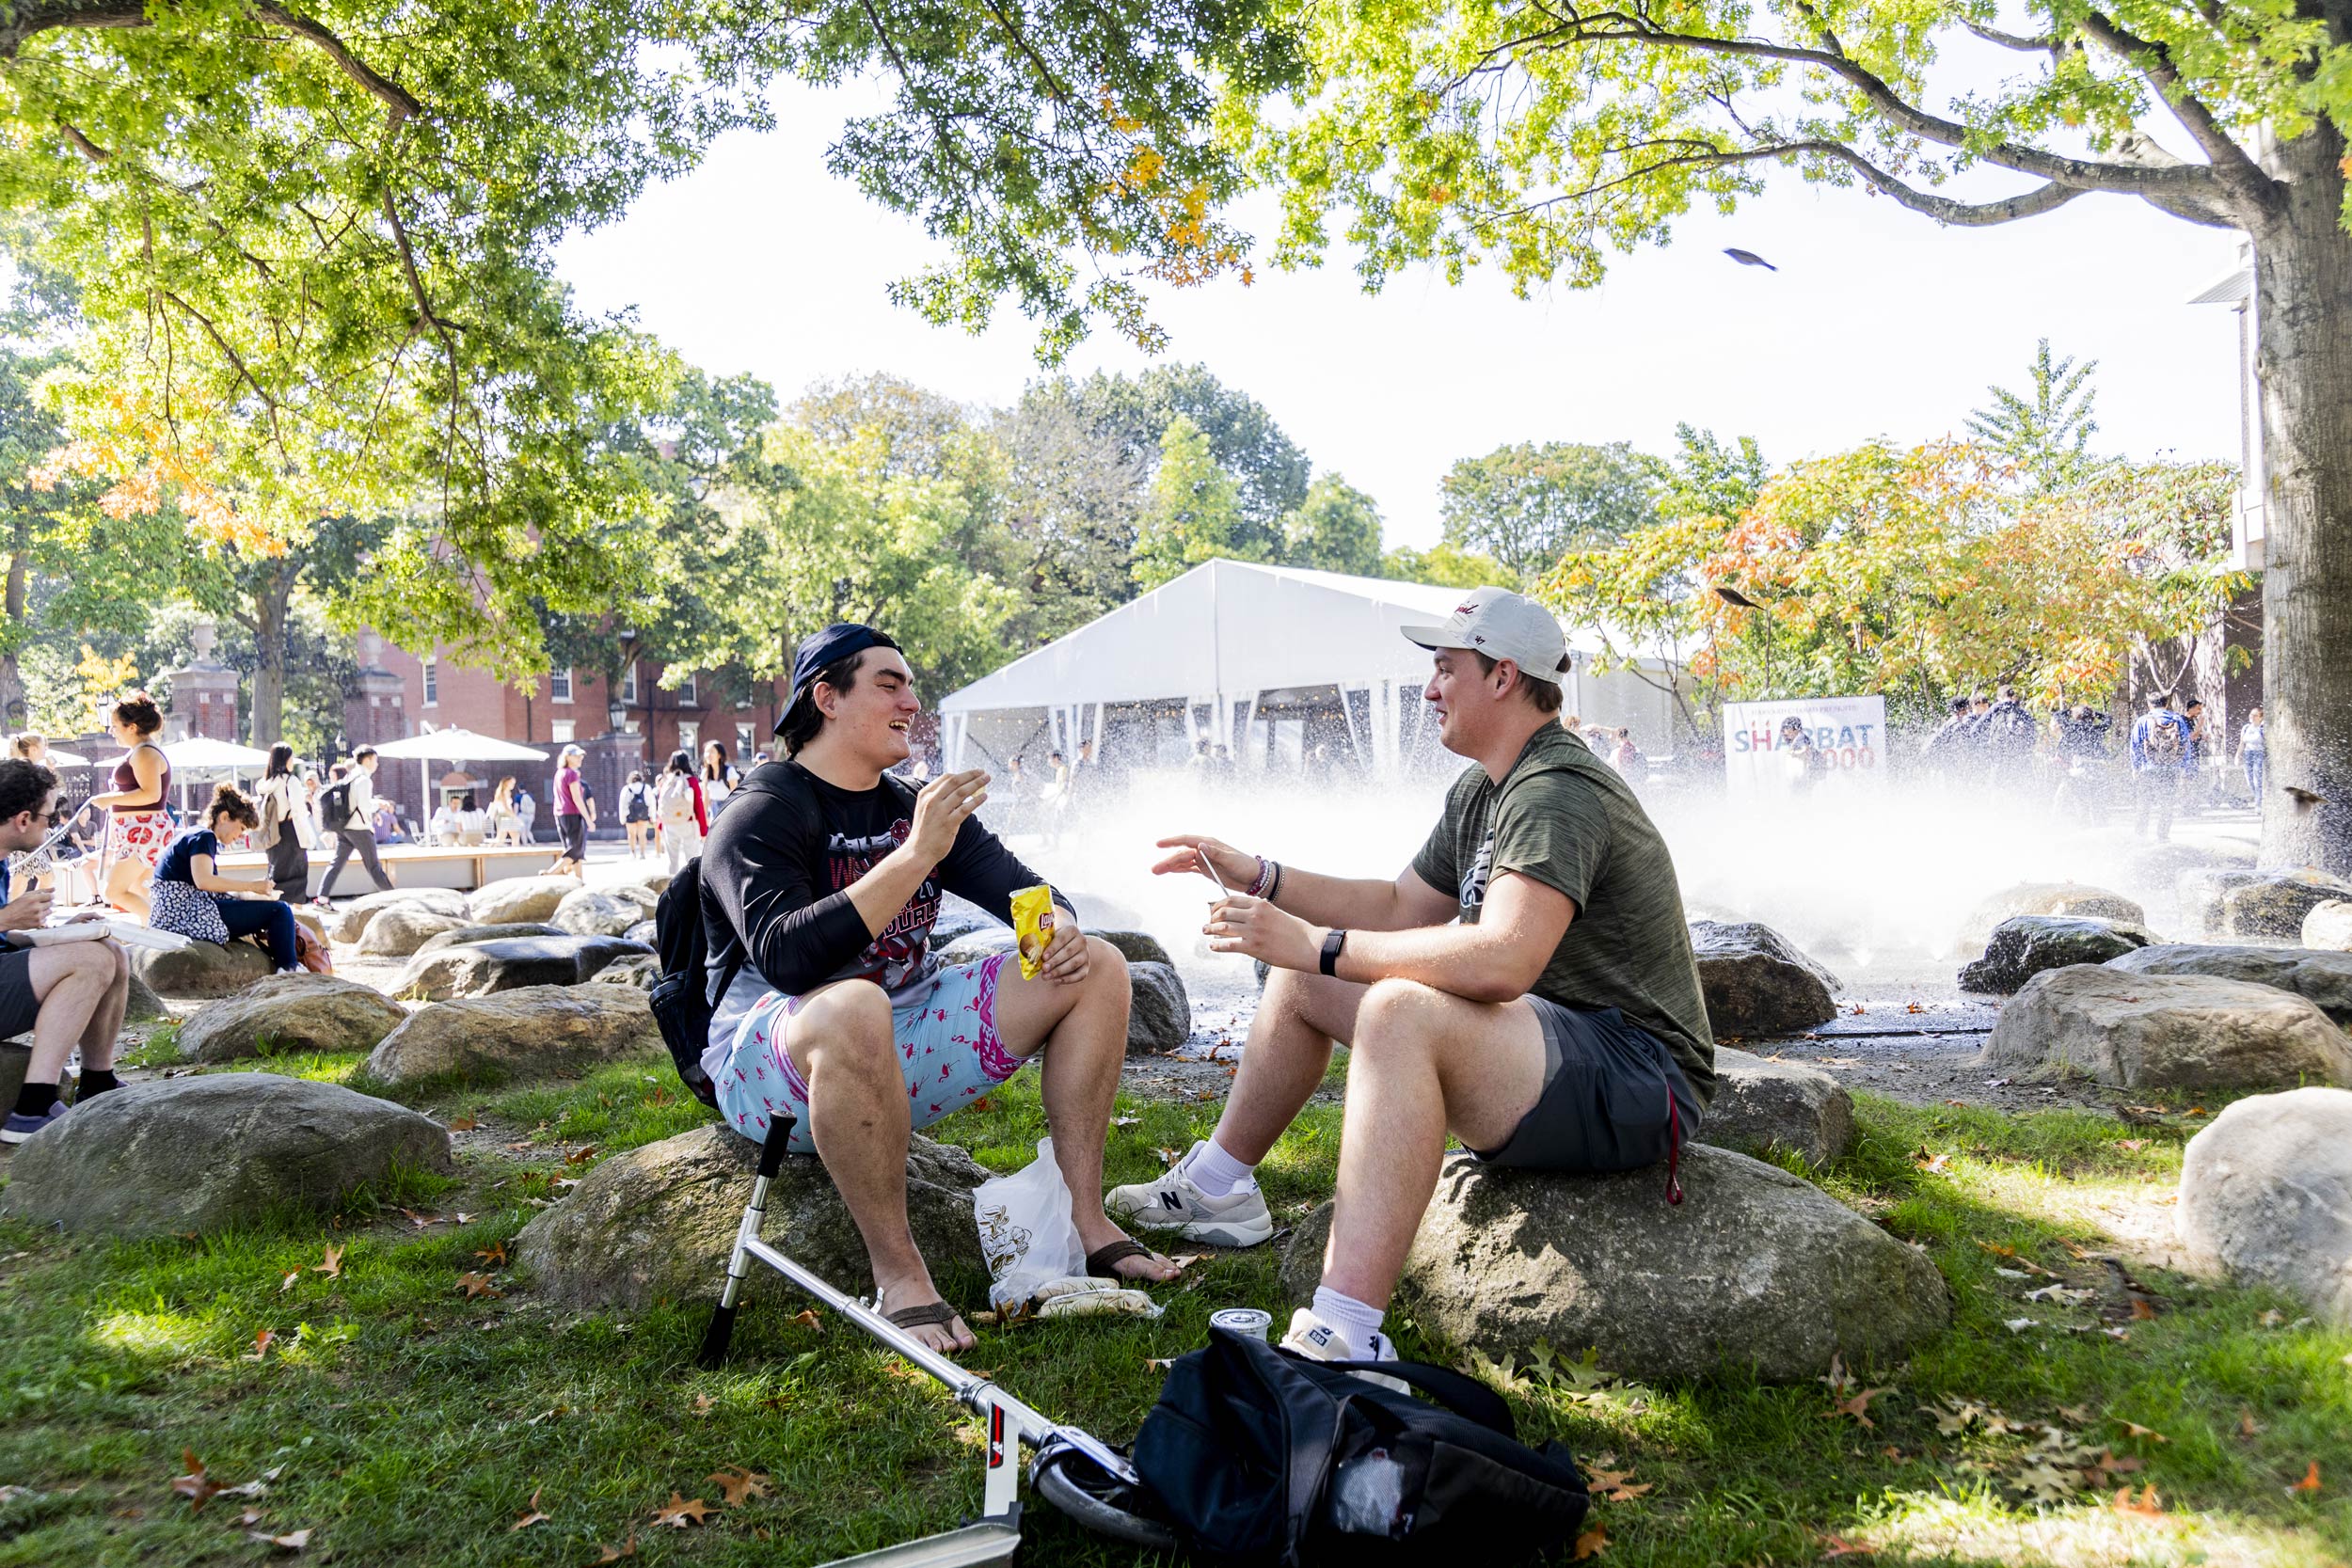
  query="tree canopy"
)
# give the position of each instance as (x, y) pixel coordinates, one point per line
(1525, 504)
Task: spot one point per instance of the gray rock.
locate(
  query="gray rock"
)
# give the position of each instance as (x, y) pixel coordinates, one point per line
(1755, 981)
(212, 1152)
(291, 1012)
(518, 898)
(641, 972)
(2025, 944)
(2045, 899)
(2267, 1197)
(396, 932)
(642, 932)
(465, 936)
(478, 969)
(2165, 1030)
(597, 912)
(531, 1031)
(957, 917)
(350, 921)
(657, 1222)
(1754, 1268)
(201, 968)
(2329, 925)
(975, 946)
(142, 1004)
(2324, 977)
(1160, 1016)
(1762, 1105)
(649, 878)
(2261, 903)
(1137, 947)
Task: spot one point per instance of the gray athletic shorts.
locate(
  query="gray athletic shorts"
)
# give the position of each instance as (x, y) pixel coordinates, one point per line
(1613, 1097)
(19, 1006)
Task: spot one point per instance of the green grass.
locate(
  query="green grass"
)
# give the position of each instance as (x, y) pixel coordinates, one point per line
(412, 1424)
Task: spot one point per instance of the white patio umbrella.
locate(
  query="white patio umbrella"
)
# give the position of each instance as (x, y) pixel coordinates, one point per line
(67, 759)
(454, 745)
(201, 753)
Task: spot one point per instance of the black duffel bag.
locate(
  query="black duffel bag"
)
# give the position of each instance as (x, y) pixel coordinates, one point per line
(1260, 1456)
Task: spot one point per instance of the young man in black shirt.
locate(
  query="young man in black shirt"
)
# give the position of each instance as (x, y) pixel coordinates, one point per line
(820, 884)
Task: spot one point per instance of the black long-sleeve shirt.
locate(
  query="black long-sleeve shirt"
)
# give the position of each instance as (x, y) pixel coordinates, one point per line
(776, 871)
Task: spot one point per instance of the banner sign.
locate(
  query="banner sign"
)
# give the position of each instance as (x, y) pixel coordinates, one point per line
(1804, 744)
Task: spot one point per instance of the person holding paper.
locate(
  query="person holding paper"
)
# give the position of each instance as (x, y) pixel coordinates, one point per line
(67, 993)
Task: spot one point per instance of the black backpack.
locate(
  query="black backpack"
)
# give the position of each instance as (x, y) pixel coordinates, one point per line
(335, 806)
(681, 993)
(1261, 1456)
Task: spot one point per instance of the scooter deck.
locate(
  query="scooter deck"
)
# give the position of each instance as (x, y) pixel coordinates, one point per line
(974, 1545)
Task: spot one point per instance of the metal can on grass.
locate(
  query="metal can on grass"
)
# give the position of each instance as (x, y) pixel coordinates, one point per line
(1246, 1321)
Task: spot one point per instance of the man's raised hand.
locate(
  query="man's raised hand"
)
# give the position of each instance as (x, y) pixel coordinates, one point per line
(1237, 866)
(940, 811)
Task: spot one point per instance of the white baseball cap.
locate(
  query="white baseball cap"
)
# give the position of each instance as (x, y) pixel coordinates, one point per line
(1501, 624)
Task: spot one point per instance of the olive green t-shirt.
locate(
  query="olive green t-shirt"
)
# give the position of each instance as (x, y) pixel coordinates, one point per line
(1564, 817)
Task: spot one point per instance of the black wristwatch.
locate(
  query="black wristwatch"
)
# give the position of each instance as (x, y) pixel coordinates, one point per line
(1333, 941)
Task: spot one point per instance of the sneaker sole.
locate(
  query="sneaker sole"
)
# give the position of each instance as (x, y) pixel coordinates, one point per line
(1223, 1233)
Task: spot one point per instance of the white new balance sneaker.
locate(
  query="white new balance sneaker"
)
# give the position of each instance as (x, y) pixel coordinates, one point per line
(1240, 1218)
(1317, 1341)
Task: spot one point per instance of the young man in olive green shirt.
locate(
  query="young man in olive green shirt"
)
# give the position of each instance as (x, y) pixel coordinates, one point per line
(1526, 985)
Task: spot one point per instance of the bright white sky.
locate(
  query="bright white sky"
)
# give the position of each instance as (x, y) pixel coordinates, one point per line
(1877, 323)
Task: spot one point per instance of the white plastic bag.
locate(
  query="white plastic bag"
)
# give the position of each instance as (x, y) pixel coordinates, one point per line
(1026, 1231)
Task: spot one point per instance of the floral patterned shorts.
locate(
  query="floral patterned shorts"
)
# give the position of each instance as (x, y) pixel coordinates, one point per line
(139, 835)
(947, 1048)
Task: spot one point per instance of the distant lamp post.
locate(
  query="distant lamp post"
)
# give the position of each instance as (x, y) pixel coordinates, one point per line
(18, 715)
(1733, 596)
(619, 712)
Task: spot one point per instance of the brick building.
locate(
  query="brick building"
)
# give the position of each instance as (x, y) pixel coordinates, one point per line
(400, 693)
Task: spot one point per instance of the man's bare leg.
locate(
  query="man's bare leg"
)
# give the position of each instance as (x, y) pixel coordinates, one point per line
(72, 981)
(842, 1043)
(1282, 1064)
(1424, 1062)
(1082, 1030)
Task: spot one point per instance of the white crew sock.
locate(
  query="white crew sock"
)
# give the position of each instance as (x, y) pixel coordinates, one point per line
(1359, 1322)
(1217, 1173)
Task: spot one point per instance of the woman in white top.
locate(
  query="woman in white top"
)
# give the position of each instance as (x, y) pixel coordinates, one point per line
(719, 776)
(290, 828)
(679, 811)
(505, 823)
(443, 826)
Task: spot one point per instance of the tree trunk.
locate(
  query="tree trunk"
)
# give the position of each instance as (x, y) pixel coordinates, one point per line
(268, 715)
(2303, 314)
(12, 677)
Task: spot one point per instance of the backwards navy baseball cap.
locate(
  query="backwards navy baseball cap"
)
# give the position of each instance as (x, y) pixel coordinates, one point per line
(821, 651)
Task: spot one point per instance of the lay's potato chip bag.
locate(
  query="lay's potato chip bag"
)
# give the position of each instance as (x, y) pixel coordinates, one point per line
(1032, 926)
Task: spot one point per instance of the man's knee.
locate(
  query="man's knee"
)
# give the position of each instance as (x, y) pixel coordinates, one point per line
(849, 1020)
(1401, 1015)
(1106, 966)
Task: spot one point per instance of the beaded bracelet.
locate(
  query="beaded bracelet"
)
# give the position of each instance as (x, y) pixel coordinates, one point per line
(1264, 880)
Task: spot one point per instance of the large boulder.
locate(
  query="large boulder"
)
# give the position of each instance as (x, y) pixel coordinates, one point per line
(351, 921)
(640, 971)
(650, 877)
(2324, 977)
(2261, 903)
(2329, 925)
(973, 946)
(396, 932)
(1761, 1105)
(1159, 1016)
(2166, 1031)
(1137, 947)
(2267, 1197)
(212, 1152)
(1756, 982)
(291, 1012)
(598, 911)
(1755, 1269)
(657, 1222)
(2071, 898)
(509, 963)
(518, 898)
(644, 931)
(465, 936)
(199, 970)
(2024, 946)
(530, 1031)
(142, 1004)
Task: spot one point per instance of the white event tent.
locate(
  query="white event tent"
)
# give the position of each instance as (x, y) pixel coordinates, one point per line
(452, 745)
(1230, 638)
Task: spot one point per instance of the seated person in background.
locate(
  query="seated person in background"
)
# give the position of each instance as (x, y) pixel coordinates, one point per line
(192, 897)
(68, 994)
(505, 821)
(1558, 1026)
(819, 885)
(444, 827)
(472, 821)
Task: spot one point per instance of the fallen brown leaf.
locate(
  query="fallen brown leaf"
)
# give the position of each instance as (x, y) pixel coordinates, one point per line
(333, 1267)
(735, 1484)
(261, 1342)
(2246, 1426)
(614, 1554)
(196, 1486)
(293, 1540)
(420, 1221)
(1591, 1543)
(530, 1516)
(463, 1124)
(478, 1285)
(702, 1403)
(2136, 1430)
(1838, 1545)
(2146, 1504)
(2310, 1481)
(288, 1283)
(1857, 1407)
(2143, 1310)
(494, 1254)
(807, 1317)
(580, 1156)
(2135, 1145)
(681, 1512)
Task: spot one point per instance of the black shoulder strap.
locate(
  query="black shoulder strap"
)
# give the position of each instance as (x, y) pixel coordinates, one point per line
(1465, 1395)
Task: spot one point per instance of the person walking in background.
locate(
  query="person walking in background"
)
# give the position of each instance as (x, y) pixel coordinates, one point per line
(348, 807)
(2202, 783)
(140, 826)
(506, 823)
(571, 815)
(2009, 734)
(2253, 754)
(527, 807)
(2082, 759)
(288, 832)
(1625, 756)
(719, 777)
(637, 814)
(678, 808)
(2160, 755)
(193, 898)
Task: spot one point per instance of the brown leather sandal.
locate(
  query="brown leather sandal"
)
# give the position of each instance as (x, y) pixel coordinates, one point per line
(1100, 1262)
(925, 1316)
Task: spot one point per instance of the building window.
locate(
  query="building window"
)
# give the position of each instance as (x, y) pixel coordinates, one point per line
(689, 737)
(560, 731)
(742, 740)
(559, 686)
(689, 692)
(629, 683)
(431, 682)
